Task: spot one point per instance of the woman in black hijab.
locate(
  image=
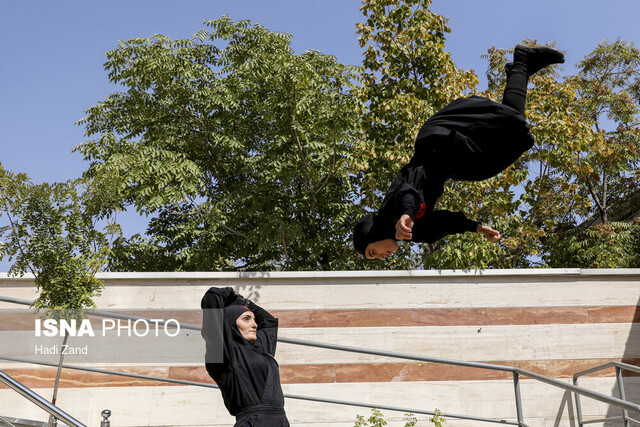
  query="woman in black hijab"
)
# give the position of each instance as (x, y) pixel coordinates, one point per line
(248, 374)
(471, 139)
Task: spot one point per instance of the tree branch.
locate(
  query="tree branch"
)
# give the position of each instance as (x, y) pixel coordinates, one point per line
(594, 197)
(335, 144)
(19, 245)
(232, 231)
(308, 173)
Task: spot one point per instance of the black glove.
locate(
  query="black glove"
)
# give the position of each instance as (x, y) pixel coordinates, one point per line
(235, 298)
(226, 296)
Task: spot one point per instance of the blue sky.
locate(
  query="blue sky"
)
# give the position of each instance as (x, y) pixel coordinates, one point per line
(53, 53)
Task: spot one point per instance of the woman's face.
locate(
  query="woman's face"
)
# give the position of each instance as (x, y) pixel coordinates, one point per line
(247, 326)
(381, 249)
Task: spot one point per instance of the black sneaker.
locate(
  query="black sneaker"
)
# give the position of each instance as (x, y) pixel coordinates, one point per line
(536, 58)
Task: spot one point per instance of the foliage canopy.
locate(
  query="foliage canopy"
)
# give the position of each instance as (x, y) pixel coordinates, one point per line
(237, 145)
(248, 156)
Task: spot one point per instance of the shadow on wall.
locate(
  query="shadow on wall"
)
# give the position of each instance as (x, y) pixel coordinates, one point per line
(631, 380)
(250, 292)
(566, 404)
(567, 412)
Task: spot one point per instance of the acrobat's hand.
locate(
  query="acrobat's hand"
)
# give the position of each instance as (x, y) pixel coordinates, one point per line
(404, 227)
(489, 233)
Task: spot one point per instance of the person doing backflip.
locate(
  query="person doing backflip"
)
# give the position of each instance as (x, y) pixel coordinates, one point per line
(471, 139)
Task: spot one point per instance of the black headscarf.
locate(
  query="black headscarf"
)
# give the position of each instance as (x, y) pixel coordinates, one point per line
(231, 315)
(232, 312)
(371, 228)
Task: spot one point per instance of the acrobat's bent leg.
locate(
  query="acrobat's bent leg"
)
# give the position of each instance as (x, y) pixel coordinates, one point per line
(526, 62)
(515, 93)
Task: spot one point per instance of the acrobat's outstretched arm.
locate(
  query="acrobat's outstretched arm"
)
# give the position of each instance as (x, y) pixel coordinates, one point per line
(489, 233)
(438, 224)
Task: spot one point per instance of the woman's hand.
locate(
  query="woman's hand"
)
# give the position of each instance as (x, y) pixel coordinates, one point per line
(489, 233)
(230, 296)
(404, 227)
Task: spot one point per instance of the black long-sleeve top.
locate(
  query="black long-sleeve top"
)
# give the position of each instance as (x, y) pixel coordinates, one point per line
(248, 376)
(414, 194)
(472, 139)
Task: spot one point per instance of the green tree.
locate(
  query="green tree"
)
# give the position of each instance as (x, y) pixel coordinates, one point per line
(578, 172)
(606, 172)
(609, 88)
(248, 156)
(407, 76)
(611, 245)
(536, 194)
(236, 147)
(50, 234)
(575, 171)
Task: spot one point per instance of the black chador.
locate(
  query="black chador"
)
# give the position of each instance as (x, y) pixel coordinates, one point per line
(248, 376)
(471, 139)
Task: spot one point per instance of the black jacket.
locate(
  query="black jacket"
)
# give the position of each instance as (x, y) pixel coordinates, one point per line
(414, 194)
(248, 376)
(470, 139)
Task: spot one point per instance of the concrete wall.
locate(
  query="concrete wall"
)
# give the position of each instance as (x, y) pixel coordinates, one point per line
(554, 322)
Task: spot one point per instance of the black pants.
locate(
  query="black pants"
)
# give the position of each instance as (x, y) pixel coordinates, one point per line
(262, 417)
(472, 139)
(515, 93)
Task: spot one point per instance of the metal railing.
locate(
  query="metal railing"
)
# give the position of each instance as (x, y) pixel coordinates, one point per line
(619, 367)
(21, 422)
(515, 372)
(6, 421)
(38, 400)
(288, 396)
